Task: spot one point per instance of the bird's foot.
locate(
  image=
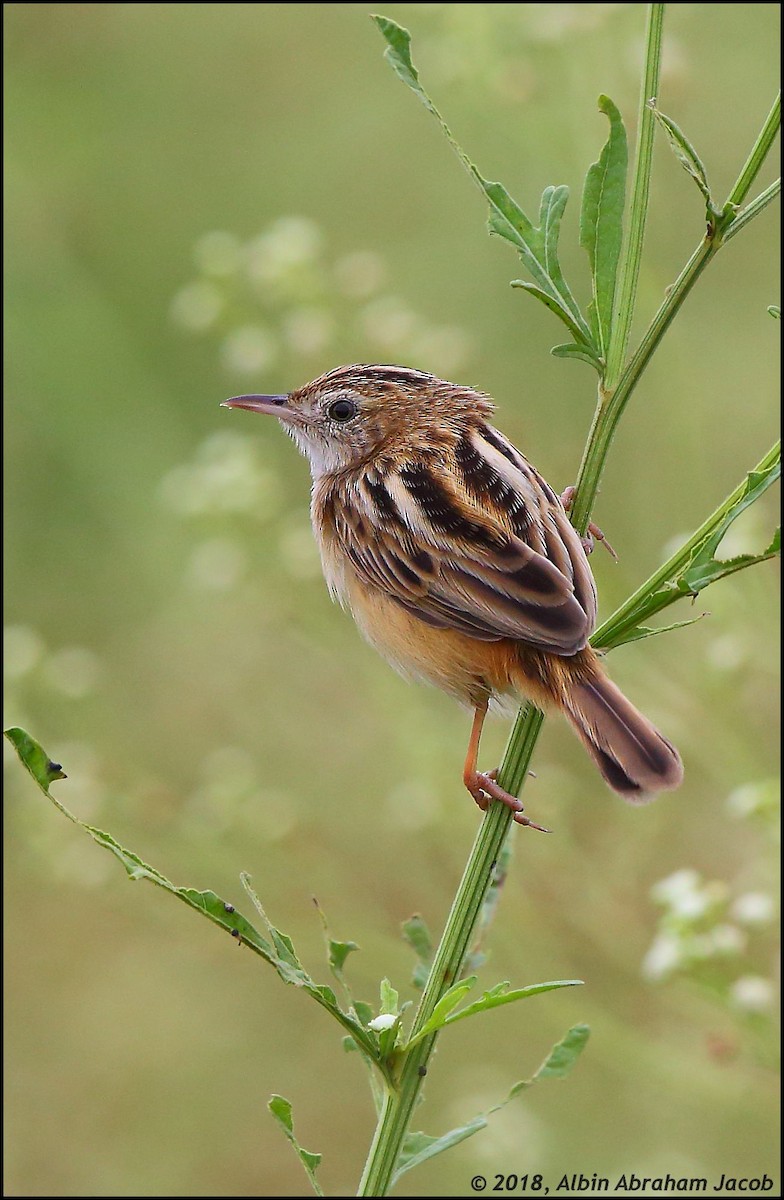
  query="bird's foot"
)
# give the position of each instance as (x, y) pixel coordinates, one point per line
(484, 788)
(593, 532)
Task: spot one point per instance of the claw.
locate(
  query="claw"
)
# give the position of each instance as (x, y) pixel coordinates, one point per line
(593, 530)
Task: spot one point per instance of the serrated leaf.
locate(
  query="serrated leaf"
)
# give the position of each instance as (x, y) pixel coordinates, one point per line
(638, 632)
(564, 1054)
(686, 155)
(280, 1108)
(278, 951)
(500, 994)
(694, 566)
(705, 569)
(337, 951)
(419, 1147)
(601, 222)
(538, 247)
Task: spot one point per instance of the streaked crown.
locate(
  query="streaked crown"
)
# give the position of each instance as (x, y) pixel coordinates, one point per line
(353, 413)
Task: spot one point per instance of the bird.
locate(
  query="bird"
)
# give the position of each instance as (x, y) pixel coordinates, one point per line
(459, 563)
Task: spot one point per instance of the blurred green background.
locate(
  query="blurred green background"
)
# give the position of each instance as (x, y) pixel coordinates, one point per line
(208, 199)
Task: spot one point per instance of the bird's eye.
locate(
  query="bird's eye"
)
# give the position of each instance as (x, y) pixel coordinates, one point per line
(342, 410)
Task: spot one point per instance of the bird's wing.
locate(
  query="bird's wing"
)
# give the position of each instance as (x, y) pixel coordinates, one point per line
(475, 542)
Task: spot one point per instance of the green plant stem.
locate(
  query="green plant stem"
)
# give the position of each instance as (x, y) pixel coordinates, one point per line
(757, 156)
(634, 235)
(456, 939)
(452, 949)
(754, 209)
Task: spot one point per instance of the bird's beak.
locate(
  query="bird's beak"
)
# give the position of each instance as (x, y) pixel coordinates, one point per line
(278, 406)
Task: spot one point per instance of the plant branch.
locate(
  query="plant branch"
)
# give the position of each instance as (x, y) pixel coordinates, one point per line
(757, 156)
(650, 598)
(753, 210)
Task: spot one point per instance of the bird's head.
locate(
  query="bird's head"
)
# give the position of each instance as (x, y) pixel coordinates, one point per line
(352, 414)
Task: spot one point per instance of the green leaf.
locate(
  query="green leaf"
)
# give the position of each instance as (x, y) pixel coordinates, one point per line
(564, 1054)
(686, 155)
(39, 764)
(280, 1108)
(637, 632)
(573, 350)
(419, 1147)
(337, 951)
(448, 1001)
(774, 311)
(389, 998)
(694, 566)
(417, 934)
(538, 247)
(601, 222)
(703, 567)
(364, 1011)
(500, 994)
(278, 951)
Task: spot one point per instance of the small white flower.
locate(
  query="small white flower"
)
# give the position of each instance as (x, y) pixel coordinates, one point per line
(752, 993)
(385, 1021)
(722, 942)
(676, 887)
(754, 908)
(663, 958)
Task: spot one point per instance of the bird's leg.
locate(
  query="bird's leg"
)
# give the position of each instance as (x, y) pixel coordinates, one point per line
(593, 530)
(483, 787)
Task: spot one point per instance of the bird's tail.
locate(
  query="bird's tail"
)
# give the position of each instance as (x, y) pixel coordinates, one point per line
(634, 758)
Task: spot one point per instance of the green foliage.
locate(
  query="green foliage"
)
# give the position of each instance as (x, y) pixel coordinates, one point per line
(417, 934)
(280, 1108)
(419, 1147)
(377, 1037)
(444, 1014)
(687, 156)
(601, 223)
(694, 566)
(537, 245)
(278, 951)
